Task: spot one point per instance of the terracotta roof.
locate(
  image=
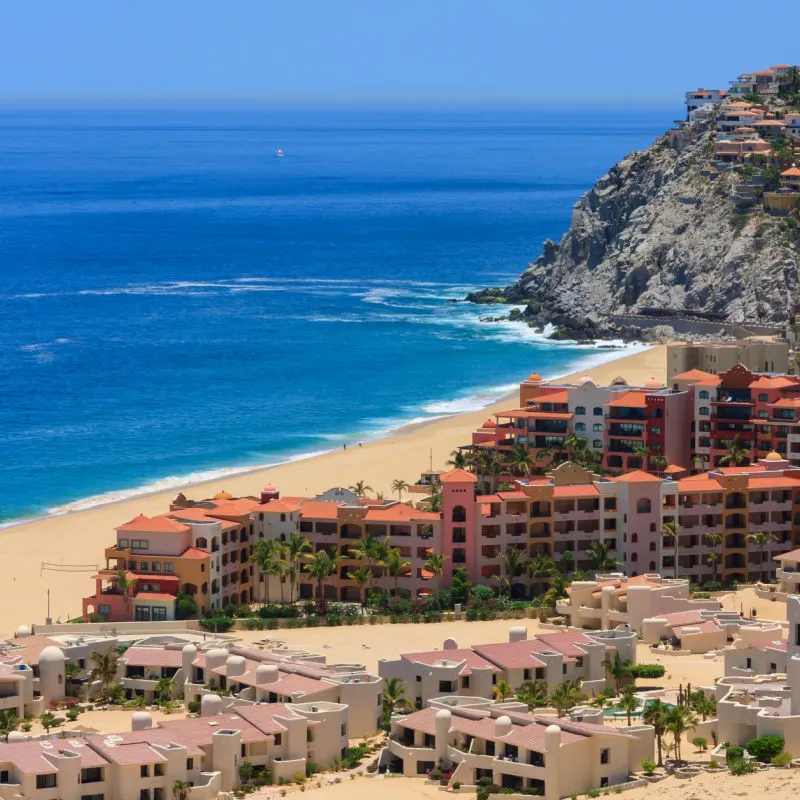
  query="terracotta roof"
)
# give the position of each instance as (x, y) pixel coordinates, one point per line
(637, 476)
(319, 510)
(693, 375)
(235, 508)
(792, 555)
(29, 757)
(778, 382)
(160, 524)
(512, 495)
(707, 626)
(193, 552)
(470, 656)
(152, 657)
(283, 506)
(154, 596)
(458, 476)
(576, 490)
(785, 402)
(629, 400)
(399, 512)
(682, 617)
(511, 655)
(793, 172)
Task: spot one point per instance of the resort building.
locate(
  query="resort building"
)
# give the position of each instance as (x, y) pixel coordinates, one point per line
(757, 649)
(613, 600)
(701, 98)
(552, 756)
(474, 671)
(758, 355)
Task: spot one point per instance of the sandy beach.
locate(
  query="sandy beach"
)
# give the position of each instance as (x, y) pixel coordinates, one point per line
(79, 538)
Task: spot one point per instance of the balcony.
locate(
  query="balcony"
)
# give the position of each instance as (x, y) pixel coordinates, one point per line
(626, 431)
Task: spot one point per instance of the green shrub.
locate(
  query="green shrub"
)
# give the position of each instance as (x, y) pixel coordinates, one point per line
(312, 768)
(372, 768)
(648, 766)
(700, 743)
(742, 766)
(713, 764)
(193, 706)
(593, 793)
(733, 751)
(781, 760)
(647, 670)
(456, 785)
(765, 748)
(217, 624)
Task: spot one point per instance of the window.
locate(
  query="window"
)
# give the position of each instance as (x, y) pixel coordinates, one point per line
(459, 555)
(277, 738)
(703, 410)
(169, 567)
(201, 543)
(140, 544)
(598, 411)
(748, 663)
(189, 764)
(159, 614)
(762, 398)
(634, 557)
(703, 395)
(655, 430)
(597, 443)
(3, 776)
(635, 537)
(46, 781)
(156, 567)
(763, 415)
(123, 544)
(597, 427)
(652, 546)
(643, 506)
(459, 514)
(580, 410)
(103, 610)
(604, 756)
(652, 566)
(580, 426)
(283, 517)
(773, 667)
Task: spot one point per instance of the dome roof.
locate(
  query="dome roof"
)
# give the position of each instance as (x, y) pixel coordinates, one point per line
(270, 487)
(22, 631)
(52, 655)
(490, 423)
(189, 648)
(653, 384)
(15, 736)
(223, 496)
(584, 379)
(534, 377)
(773, 456)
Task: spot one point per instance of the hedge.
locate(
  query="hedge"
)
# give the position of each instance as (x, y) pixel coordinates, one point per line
(647, 670)
(765, 748)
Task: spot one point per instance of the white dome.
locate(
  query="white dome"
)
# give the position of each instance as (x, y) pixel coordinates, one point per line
(235, 665)
(189, 649)
(52, 655)
(22, 632)
(16, 736)
(141, 721)
(267, 673)
(502, 726)
(210, 705)
(443, 714)
(553, 729)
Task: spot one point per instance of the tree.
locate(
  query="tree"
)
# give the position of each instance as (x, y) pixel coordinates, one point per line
(512, 562)
(125, 586)
(567, 562)
(566, 696)
(714, 540)
(365, 548)
(655, 714)
(599, 553)
(434, 498)
(9, 722)
(669, 530)
(181, 790)
(619, 670)
(457, 460)
(533, 693)
(660, 463)
(557, 590)
(394, 695)
(185, 606)
(361, 576)
(321, 566)
(628, 702)
(434, 563)
(266, 552)
(396, 565)
(519, 459)
(104, 668)
(703, 705)
(502, 691)
(542, 567)
(737, 455)
(49, 720)
(761, 540)
(296, 548)
(489, 466)
(679, 720)
(399, 486)
(460, 585)
(712, 559)
(361, 488)
(164, 687)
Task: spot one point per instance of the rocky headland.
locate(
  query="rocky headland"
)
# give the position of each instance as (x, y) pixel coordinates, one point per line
(656, 239)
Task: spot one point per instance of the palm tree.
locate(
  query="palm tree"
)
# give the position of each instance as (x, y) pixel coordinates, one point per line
(714, 540)
(502, 691)
(619, 670)
(490, 466)
(104, 668)
(9, 722)
(265, 553)
(364, 549)
(125, 585)
(628, 702)
(555, 456)
(396, 565)
(519, 459)
(434, 498)
(296, 548)
(679, 719)
(566, 696)
(670, 530)
(382, 551)
(541, 568)
(567, 562)
(599, 553)
(361, 576)
(394, 695)
(713, 559)
(761, 540)
(164, 687)
(399, 486)
(655, 714)
(512, 562)
(557, 590)
(320, 567)
(361, 488)
(457, 460)
(181, 790)
(533, 693)
(434, 564)
(660, 463)
(737, 455)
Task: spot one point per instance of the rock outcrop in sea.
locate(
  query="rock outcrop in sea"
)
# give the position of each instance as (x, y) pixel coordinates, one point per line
(658, 233)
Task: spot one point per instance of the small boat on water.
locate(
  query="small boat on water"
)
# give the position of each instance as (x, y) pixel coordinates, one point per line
(279, 153)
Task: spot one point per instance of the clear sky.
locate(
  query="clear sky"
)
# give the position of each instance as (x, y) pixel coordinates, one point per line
(611, 50)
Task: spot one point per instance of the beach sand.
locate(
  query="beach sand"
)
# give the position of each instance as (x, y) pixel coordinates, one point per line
(80, 537)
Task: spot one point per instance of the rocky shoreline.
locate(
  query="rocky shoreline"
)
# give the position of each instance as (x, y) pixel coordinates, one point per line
(656, 242)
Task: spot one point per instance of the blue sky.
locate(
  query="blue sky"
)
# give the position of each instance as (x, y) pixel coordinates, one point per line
(390, 49)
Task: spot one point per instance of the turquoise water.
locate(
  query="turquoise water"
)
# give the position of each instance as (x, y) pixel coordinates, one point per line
(177, 301)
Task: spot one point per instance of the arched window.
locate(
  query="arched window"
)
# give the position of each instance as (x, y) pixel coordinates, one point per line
(580, 426)
(598, 443)
(652, 527)
(652, 566)
(459, 514)
(597, 427)
(598, 411)
(635, 537)
(201, 543)
(283, 517)
(624, 537)
(580, 410)
(634, 556)
(652, 546)
(703, 395)
(703, 410)
(643, 506)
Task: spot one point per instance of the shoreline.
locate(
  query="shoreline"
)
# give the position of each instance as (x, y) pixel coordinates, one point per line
(79, 537)
(202, 477)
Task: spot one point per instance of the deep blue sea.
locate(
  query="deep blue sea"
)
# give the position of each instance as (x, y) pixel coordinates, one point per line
(176, 299)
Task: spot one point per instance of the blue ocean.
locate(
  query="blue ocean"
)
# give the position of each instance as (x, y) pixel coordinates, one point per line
(179, 300)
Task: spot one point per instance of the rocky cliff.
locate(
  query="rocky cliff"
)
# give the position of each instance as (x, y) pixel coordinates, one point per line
(659, 231)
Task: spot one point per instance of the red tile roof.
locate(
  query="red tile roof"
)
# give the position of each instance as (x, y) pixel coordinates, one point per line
(693, 375)
(629, 400)
(576, 490)
(160, 524)
(193, 552)
(152, 657)
(458, 476)
(466, 654)
(319, 510)
(511, 655)
(399, 512)
(29, 757)
(637, 476)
